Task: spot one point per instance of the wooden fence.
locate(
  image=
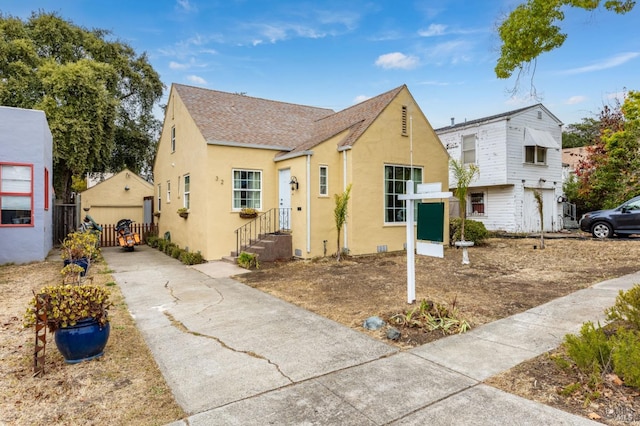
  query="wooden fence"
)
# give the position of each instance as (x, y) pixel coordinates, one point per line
(108, 237)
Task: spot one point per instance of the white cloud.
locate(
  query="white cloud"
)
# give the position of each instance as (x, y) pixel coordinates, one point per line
(197, 80)
(186, 6)
(451, 52)
(433, 30)
(348, 19)
(573, 100)
(520, 101)
(177, 66)
(397, 60)
(612, 62)
(361, 98)
(434, 83)
(619, 96)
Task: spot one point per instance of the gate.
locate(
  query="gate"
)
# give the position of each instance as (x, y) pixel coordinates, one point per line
(108, 236)
(65, 220)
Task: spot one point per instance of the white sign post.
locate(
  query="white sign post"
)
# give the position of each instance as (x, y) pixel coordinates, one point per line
(426, 191)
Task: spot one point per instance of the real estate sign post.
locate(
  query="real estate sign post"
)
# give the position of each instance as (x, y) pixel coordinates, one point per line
(426, 191)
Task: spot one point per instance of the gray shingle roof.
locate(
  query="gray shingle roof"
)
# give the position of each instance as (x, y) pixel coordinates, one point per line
(235, 119)
(495, 117)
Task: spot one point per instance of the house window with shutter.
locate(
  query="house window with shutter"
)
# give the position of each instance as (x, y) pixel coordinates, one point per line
(168, 191)
(173, 139)
(16, 194)
(469, 149)
(159, 197)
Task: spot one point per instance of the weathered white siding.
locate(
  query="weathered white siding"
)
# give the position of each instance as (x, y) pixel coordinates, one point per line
(507, 181)
(531, 215)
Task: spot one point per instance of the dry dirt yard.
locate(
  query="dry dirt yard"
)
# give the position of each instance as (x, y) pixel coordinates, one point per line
(123, 387)
(506, 276)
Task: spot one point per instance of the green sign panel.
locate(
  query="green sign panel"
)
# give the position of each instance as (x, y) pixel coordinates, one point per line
(431, 222)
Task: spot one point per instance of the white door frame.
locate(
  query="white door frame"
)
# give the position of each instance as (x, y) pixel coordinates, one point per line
(284, 197)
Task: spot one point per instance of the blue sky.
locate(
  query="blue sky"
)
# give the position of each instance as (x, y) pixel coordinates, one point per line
(334, 54)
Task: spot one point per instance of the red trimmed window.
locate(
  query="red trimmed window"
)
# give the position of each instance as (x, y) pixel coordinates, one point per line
(46, 188)
(16, 194)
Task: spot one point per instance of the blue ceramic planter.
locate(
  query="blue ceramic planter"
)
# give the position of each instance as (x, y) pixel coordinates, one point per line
(83, 263)
(84, 341)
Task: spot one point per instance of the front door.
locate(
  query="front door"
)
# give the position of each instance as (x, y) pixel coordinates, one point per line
(284, 194)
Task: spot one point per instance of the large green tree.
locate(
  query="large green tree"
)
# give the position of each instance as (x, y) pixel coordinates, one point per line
(581, 134)
(532, 29)
(611, 173)
(97, 93)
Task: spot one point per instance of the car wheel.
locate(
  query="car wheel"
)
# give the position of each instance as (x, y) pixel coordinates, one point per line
(602, 230)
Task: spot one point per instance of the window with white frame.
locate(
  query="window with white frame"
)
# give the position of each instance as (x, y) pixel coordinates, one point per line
(324, 180)
(168, 191)
(159, 197)
(476, 204)
(173, 139)
(535, 155)
(395, 178)
(247, 189)
(187, 192)
(469, 149)
(16, 194)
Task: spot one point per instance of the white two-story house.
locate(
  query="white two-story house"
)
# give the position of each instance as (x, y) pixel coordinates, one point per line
(517, 152)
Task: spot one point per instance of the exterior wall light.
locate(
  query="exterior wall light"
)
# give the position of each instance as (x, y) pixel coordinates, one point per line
(294, 183)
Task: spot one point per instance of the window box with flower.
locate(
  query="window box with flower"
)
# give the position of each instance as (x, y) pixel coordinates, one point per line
(248, 213)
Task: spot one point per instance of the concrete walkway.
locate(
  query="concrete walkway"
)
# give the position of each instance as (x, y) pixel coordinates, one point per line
(233, 355)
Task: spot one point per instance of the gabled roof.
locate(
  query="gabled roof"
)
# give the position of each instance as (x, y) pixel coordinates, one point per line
(236, 119)
(502, 116)
(355, 119)
(239, 120)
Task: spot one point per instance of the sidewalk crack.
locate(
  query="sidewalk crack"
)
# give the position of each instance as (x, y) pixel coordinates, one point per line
(180, 326)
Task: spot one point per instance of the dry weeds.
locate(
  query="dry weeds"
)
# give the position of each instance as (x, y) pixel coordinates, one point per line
(123, 387)
(505, 277)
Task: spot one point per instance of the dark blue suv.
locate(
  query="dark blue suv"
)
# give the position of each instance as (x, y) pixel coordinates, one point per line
(623, 220)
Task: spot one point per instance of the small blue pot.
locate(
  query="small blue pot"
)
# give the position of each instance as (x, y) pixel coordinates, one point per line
(83, 263)
(84, 341)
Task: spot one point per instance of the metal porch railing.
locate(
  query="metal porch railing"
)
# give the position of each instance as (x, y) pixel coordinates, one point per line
(270, 222)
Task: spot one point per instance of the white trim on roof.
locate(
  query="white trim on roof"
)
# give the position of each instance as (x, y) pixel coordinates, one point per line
(292, 155)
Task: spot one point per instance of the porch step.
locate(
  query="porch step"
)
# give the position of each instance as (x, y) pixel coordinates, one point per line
(273, 247)
(230, 259)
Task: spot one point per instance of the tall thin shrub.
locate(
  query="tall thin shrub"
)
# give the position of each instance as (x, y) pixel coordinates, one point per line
(340, 213)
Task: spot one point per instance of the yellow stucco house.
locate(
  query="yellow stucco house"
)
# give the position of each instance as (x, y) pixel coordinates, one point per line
(222, 152)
